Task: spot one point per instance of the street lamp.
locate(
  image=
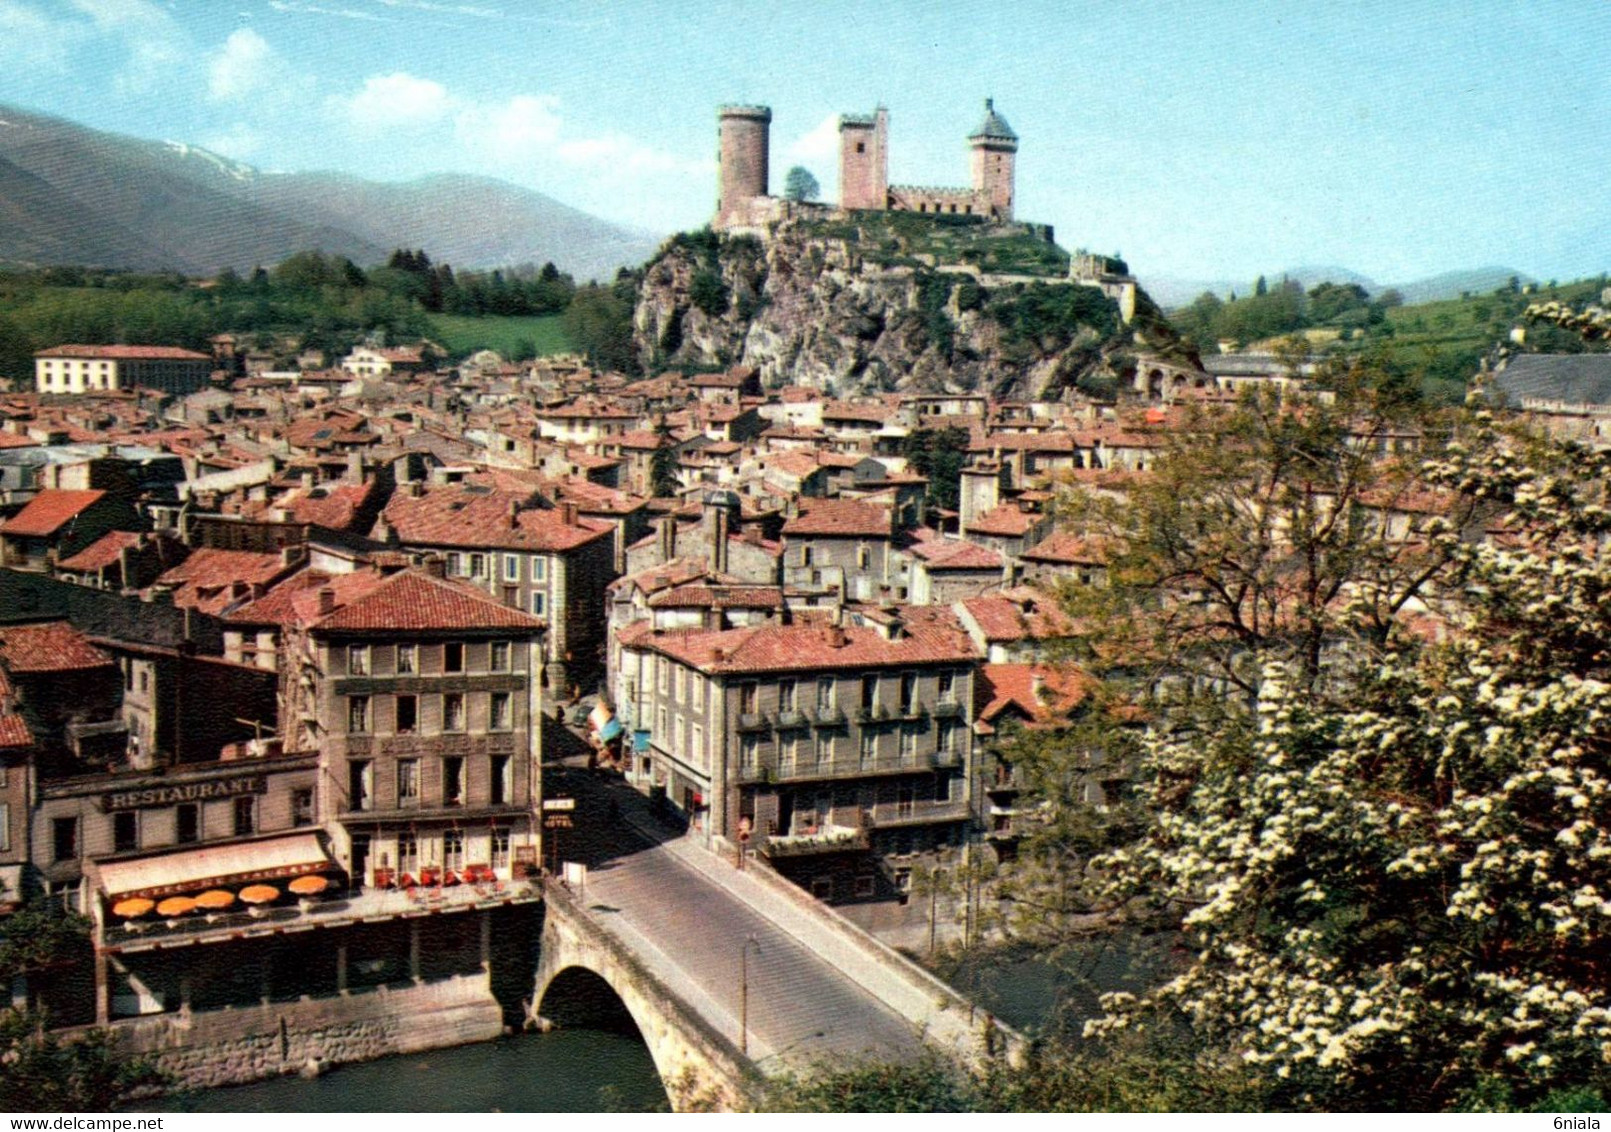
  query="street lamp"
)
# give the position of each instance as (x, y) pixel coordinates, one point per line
(744, 991)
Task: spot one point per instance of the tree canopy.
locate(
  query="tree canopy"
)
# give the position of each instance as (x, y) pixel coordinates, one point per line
(799, 184)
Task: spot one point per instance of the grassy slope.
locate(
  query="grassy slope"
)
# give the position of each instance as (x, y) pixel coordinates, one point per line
(463, 334)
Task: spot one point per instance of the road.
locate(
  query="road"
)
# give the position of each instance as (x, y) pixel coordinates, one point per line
(709, 946)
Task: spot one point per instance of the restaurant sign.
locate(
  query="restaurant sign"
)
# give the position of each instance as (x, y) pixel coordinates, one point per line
(183, 792)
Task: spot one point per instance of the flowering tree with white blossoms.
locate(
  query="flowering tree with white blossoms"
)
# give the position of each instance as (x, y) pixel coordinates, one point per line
(1396, 876)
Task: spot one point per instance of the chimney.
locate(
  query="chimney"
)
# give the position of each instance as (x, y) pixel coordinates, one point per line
(327, 601)
(835, 636)
(718, 540)
(567, 512)
(125, 567)
(415, 489)
(290, 555)
(239, 589)
(668, 538)
(436, 566)
(514, 514)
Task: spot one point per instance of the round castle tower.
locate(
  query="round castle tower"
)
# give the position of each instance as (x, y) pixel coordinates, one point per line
(744, 133)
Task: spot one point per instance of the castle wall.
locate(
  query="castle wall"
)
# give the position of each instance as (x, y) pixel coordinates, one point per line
(927, 198)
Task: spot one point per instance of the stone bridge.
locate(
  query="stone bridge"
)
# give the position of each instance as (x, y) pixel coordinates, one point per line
(731, 977)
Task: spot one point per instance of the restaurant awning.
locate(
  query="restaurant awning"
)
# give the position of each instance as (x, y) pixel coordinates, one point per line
(239, 862)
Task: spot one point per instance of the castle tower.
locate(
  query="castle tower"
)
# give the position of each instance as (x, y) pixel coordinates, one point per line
(744, 133)
(994, 149)
(864, 160)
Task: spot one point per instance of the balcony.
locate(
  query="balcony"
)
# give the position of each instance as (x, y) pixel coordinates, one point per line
(791, 718)
(892, 815)
(754, 721)
(807, 769)
(940, 759)
(828, 839)
(947, 709)
(828, 717)
(872, 713)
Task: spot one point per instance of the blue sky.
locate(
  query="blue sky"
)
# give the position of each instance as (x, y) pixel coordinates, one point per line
(1201, 140)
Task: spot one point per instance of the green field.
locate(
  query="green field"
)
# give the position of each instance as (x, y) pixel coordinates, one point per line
(464, 334)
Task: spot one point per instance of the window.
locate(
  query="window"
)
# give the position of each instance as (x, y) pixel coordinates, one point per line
(679, 683)
(453, 657)
(908, 742)
(453, 781)
(863, 556)
(357, 714)
(145, 680)
(408, 853)
(825, 693)
(948, 693)
(408, 782)
(357, 660)
(869, 745)
(455, 564)
(539, 568)
(361, 784)
(908, 692)
(511, 568)
(453, 850)
(805, 555)
(453, 711)
(869, 692)
(748, 694)
(125, 832)
(478, 565)
(5, 827)
(946, 737)
(749, 751)
(865, 886)
(498, 712)
(824, 748)
(245, 816)
(302, 806)
(187, 823)
(502, 785)
(662, 674)
(407, 660)
(786, 695)
(500, 656)
(539, 603)
(696, 749)
(500, 848)
(408, 714)
(65, 839)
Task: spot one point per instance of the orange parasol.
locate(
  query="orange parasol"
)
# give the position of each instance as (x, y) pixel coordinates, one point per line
(259, 893)
(133, 906)
(215, 899)
(176, 906)
(308, 885)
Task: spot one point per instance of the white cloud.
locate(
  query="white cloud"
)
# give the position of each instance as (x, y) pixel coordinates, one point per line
(30, 39)
(524, 125)
(244, 65)
(819, 144)
(397, 99)
(239, 141)
(158, 48)
(293, 7)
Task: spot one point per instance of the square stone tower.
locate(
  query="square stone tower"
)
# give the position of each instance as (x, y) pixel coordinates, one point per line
(864, 160)
(994, 147)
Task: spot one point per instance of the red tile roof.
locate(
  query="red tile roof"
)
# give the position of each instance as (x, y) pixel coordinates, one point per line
(1003, 688)
(206, 579)
(48, 511)
(931, 635)
(840, 518)
(1067, 548)
(14, 732)
(718, 597)
(413, 601)
(1016, 615)
(455, 517)
(335, 508)
(1006, 521)
(953, 554)
(101, 553)
(127, 353)
(53, 646)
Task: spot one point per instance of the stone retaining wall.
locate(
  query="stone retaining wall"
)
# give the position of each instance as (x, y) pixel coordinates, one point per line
(241, 1044)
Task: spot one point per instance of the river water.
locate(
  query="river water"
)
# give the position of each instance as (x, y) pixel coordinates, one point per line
(562, 1071)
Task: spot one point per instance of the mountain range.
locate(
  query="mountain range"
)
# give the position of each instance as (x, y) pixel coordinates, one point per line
(73, 195)
(1171, 292)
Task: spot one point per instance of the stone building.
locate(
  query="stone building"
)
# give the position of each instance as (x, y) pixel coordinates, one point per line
(96, 369)
(841, 750)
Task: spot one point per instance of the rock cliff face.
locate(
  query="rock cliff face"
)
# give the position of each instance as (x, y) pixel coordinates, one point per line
(832, 308)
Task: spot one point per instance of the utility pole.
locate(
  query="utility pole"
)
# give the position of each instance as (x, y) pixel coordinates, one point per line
(744, 992)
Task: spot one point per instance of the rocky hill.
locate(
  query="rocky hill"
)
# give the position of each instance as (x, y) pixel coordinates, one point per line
(889, 301)
(72, 195)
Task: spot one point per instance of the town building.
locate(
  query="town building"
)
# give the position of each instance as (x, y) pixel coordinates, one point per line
(105, 369)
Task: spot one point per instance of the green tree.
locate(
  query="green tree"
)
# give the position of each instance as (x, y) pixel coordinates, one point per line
(938, 454)
(86, 1073)
(663, 466)
(599, 323)
(799, 184)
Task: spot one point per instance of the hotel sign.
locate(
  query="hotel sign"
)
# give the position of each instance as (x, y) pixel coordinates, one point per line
(169, 795)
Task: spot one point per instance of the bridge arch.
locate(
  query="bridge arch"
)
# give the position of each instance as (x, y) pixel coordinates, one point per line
(586, 978)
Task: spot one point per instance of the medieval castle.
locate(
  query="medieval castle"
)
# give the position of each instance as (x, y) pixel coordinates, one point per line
(863, 169)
